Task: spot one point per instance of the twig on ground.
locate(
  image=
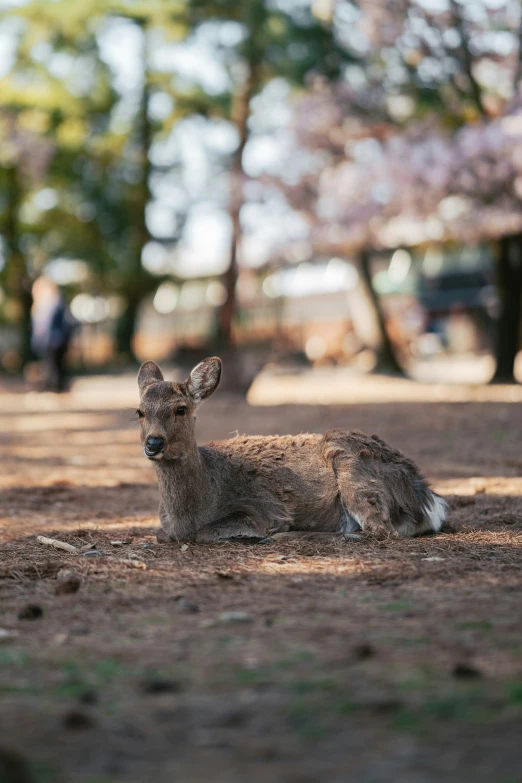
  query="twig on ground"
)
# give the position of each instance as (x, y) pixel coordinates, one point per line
(53, 542)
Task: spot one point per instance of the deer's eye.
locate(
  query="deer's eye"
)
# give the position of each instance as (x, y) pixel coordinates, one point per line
(181, 410)
(140, 414)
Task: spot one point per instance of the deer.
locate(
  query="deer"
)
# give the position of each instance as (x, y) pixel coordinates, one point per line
(255, 488)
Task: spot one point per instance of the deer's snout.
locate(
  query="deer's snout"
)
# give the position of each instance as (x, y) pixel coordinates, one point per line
(153, 446)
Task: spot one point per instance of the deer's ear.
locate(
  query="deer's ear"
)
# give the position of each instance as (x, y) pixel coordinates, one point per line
(204, 379)
(149, 373)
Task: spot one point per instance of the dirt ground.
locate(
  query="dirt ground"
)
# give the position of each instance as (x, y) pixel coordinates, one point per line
(297, 662)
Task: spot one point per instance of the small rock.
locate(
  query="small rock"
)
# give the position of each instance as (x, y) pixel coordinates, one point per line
(77, 720)
(189, 607)
(93, 553)
(160, 685)
(14, 768)
(80, 630)
(184, 548)
(363, 651)
(68, 581)
(466, 671)
(236, 617)
(6, 636)
(88, 547)
(59, 639)
(224, 575)
(433, 559)
(385, 705)
(30, 612)
(88, 697)
(146, 546)
(119, 543)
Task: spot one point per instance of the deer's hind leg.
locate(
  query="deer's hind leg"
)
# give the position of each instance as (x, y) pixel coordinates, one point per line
(362, 490)
(364, 503)
(381, 489)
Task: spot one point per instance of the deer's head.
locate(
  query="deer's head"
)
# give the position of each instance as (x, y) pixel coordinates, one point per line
(166, 409)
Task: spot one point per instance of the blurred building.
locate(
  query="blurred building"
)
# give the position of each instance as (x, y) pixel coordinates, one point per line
(436, 299)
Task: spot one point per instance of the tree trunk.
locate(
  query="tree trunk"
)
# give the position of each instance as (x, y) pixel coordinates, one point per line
(254, 18)
(228, 308)
(240, 115)
(138, 282)
(126, 328)
(509, 323)
(386, 358)
(18, 279)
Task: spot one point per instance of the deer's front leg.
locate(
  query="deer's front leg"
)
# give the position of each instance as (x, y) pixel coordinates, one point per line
(230, 528)
(162, 534)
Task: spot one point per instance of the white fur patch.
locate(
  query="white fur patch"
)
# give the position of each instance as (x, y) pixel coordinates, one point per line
(436, 513)
(351, 523)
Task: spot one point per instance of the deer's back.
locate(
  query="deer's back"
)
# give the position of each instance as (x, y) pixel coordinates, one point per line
(292, 469)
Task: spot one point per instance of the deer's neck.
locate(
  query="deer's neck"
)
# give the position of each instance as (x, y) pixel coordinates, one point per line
(185, 493)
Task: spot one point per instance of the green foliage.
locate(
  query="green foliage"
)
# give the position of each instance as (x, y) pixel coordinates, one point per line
(66, 126)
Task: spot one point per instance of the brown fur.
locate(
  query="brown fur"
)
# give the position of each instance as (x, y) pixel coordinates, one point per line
(250, 487)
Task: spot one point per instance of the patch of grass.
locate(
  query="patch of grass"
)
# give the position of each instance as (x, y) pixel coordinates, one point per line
(12, 656)
(43, 772)
(109, 669)
(345, 706)
(302, 686)
(8, 688)
(253, 677)
(304, 719)
(462, 706)
(272, 673)
(418, 681)
(78, 679)
(406, 721)
(97, 779)
(412, 641)
(475, 625)
(397, 606)
(514, 693)
(295, 658)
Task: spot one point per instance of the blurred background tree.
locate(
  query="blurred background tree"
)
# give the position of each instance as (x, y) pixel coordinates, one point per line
(271, 41)
(417, 130)
(147, 143)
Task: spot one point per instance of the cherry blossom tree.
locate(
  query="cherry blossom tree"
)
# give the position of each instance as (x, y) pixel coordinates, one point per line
(422, 140)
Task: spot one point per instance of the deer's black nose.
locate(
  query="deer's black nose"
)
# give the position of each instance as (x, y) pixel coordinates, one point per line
(154, 445)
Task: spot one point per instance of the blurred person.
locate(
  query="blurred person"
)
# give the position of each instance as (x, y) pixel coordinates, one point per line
(52, 326)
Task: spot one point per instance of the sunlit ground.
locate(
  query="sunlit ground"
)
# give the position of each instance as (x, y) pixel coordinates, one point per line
(453, 379)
